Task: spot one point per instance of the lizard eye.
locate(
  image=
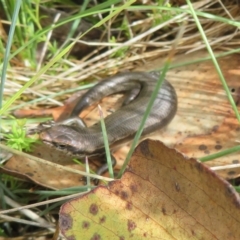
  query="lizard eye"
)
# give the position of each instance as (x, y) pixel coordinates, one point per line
(61, 146)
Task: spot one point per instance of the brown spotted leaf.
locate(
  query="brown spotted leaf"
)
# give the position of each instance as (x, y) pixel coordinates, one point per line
(162, 195)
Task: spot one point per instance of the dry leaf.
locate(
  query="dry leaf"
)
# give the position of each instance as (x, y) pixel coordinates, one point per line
(162, 195)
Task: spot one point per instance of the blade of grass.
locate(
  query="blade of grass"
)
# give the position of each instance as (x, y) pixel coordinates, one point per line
(115, 12)
(152, 99)
(28, 32)
(41, 203)
(27, 222)
(206, 15)
(8, 47)
(75, 24)
(60, 192)
(225, 167)
(5, 63)
(87, 171)
(78, 21)
(220, 154)
(86, 86)
(33, 79)
(6, 190)
(148, 110)
(225, 86)
(106, 144)
(204, 59)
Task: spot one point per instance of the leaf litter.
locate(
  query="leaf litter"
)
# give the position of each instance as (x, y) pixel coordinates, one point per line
(162, 195)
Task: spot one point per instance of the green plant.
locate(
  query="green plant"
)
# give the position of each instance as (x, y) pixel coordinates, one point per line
(120, 52)
(161, 15)
(2, 234)
(17, 139)
(27, 22)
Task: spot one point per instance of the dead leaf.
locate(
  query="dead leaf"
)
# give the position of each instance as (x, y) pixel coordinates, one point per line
(162, 195)
(44, 174)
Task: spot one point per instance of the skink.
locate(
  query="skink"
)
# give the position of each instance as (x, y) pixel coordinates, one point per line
(123, 124)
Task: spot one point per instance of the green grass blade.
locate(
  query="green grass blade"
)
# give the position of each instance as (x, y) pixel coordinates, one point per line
(33, 79)
(220, 154)
(106, 144)
(116, 11)
(53, 95)
(8, 47)
(78, 21)
(219, 55)
(148, 110)
(230, 98)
